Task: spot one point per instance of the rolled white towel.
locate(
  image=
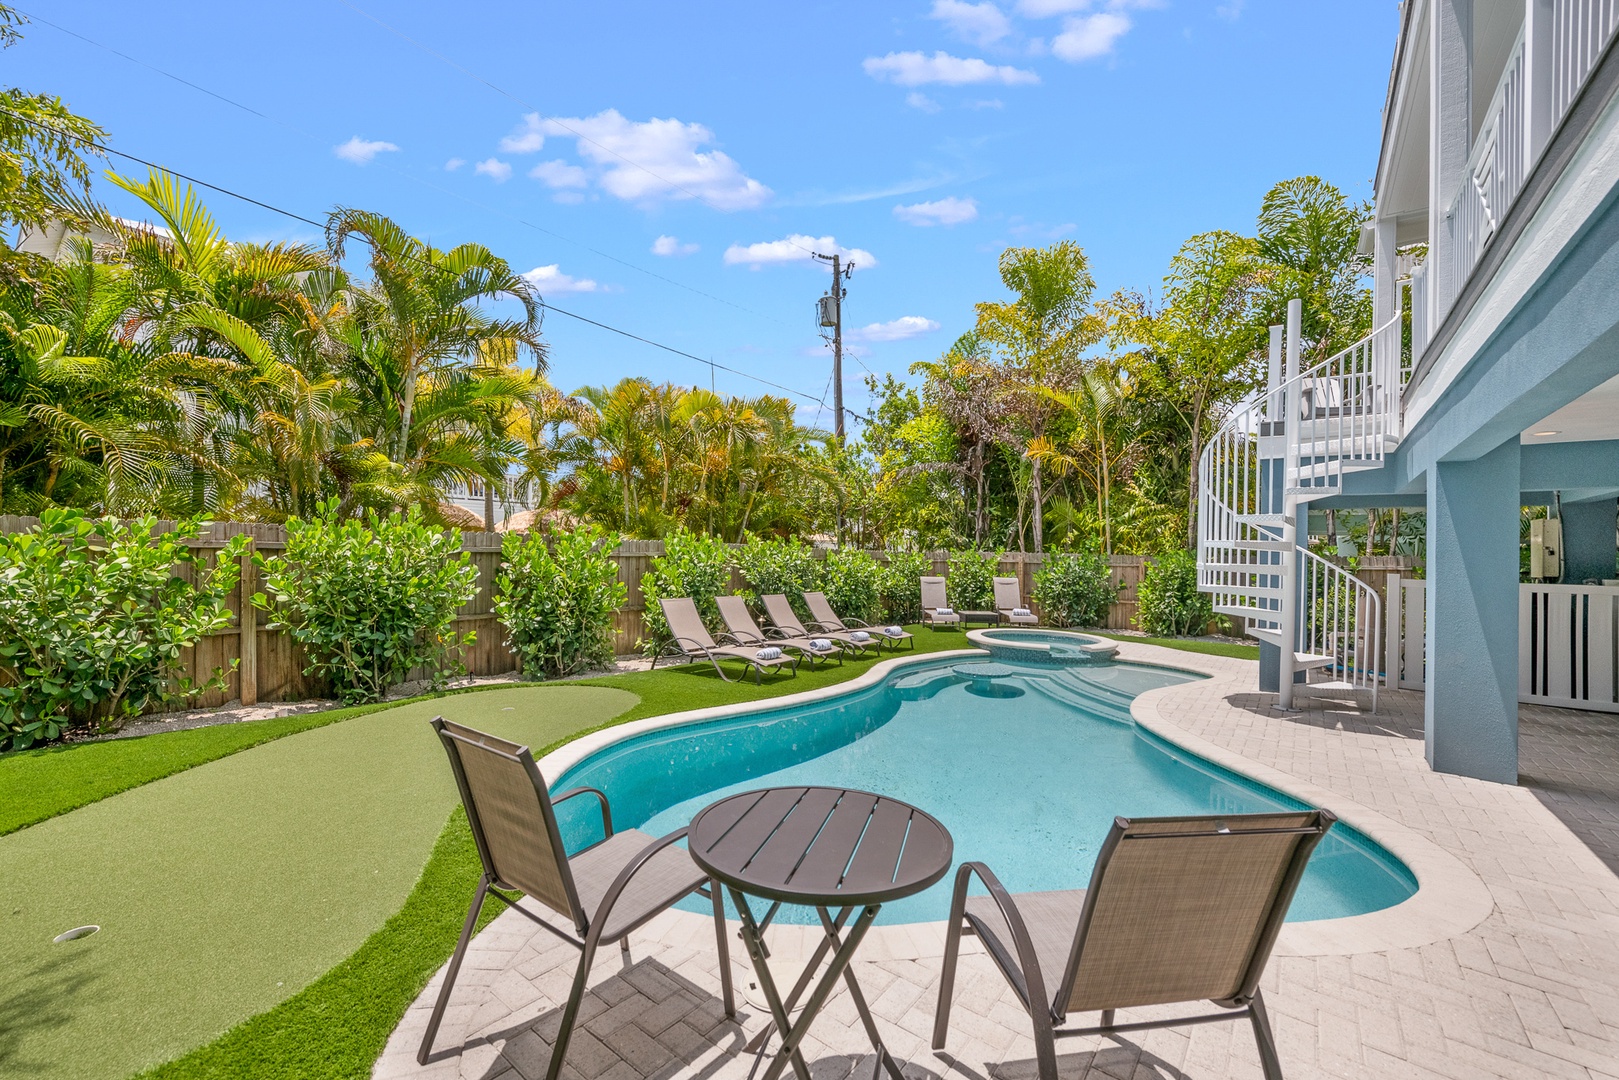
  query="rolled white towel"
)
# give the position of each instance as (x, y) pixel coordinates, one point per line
(859, 635)
(769, 652)
(1021, 611)
(894, 631)
(820, 644)
(944, 611)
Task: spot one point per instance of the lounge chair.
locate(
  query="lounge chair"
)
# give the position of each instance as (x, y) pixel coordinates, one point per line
(1179, 909)
(688, 637)
(785, 619)
(1009, 603)
(822, 617)
(936, 610)
(746, 633)
(603, 892)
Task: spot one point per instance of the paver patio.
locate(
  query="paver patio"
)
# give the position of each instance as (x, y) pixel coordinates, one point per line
(1522, 985)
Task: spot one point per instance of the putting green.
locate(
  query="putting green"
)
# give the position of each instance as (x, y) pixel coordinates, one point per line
(225, 889)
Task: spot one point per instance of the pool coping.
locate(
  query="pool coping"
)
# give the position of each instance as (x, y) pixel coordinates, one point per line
(1450, 899)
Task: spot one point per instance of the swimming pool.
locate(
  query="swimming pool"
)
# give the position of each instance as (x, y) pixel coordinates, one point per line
(1026, 764)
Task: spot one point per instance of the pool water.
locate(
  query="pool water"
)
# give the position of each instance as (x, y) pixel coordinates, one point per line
(1026, 770)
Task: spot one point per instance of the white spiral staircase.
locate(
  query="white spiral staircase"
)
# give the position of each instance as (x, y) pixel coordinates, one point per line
(1279, 450)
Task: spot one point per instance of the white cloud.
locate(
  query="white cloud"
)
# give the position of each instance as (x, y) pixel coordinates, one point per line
(918, 69)
(1232, 11)
(653, 160)
(494, 168)
(1089, 36)
(361, 151)
(559, 174)
(669, 245)
(551, 279)
(1045, 9)
(527, 139)
(981, 24)
(946, 211)
(906, 326)
(987, 103)
(795, 248)
(918, 100)
(454, 164)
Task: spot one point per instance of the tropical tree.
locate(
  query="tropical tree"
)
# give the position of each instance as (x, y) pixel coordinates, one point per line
(1039, 337)
(1101, 441)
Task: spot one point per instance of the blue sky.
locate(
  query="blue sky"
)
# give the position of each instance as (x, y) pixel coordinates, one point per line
(659, 167)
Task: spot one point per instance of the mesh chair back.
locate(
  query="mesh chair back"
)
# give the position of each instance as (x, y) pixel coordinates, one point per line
(510, 812)
(684, 622)
(821, 611)
(1186, 909)
(782, 615)
(1008, 594)
(739, 620)
(933, 593)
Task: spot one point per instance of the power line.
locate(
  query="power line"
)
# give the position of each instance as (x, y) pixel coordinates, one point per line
(397, 171)
(105, 149)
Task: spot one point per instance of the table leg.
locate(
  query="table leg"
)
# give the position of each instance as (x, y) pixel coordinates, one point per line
(884, 1058)
(753, 941)
(757, 1043)
(792, 1034)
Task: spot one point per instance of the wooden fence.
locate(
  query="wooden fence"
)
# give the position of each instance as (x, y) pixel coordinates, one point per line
(270, 664)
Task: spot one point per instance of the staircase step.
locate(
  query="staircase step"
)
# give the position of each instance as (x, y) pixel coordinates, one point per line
(1335, 686)
(1256, 545)
(1313, 660)
(1269, 637)
(1262, 519)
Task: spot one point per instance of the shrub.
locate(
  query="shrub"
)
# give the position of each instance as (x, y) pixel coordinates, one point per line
(853, 585)
(1170, 603)
(93, 617)
(557, 599)
(1075, 590)
(971, 584)
(692, 564)
(370, 600)
(779, 566)
(901, 585)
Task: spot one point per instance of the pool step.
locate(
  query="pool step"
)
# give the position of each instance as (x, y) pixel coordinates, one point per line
(922, 686)
(1074, 699)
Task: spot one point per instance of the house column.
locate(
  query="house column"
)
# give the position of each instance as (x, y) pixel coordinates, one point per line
(1471, 706)
(1588, 540)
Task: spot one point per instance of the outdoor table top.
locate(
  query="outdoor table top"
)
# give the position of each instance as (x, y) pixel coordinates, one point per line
(828, 847)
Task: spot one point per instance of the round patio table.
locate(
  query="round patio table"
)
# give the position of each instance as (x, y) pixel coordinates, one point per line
(826, 848)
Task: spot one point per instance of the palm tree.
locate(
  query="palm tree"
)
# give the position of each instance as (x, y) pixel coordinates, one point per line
(1102, 441)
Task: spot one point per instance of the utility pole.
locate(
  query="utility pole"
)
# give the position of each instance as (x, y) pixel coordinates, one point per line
(834, 319)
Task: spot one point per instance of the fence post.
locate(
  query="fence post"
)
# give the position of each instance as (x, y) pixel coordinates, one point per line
(247, 623)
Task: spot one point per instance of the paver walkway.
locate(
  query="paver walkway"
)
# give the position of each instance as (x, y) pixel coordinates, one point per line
(1528, 989)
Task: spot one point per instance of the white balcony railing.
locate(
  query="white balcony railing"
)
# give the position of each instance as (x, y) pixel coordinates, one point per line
(1581, 30)
(1492, 178)
(1504, 151)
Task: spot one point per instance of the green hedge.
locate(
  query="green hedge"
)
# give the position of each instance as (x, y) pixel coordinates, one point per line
(557, 599)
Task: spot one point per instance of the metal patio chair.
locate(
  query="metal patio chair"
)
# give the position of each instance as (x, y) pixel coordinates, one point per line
(745, 632)
(1179, 909)
(605, 891)
(690, 639)
(784, 618)
(822, 617)
(1009, 602)
(936, 610)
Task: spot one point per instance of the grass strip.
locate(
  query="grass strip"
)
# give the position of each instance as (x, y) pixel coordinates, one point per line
(1191, 645)
(335, 1028)
(51, 780)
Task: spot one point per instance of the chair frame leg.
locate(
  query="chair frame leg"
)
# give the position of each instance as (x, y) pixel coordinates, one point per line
(1262, 1035)
(570, 1012)
(454, 969)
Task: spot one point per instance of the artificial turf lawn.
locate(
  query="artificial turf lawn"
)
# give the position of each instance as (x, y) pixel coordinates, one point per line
(1207, 648)
(40, 784)
(225, 889)
(337, 1024)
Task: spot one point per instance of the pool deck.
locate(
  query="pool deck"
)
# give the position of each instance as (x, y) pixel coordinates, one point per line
(1508, 967)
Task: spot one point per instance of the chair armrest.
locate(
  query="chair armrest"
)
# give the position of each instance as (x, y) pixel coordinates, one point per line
(725, 637)
(601, 797)
(693, 642)
(598, 919)
(1027, 962)
(819, 627)
(776, 633)
(857, 624)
